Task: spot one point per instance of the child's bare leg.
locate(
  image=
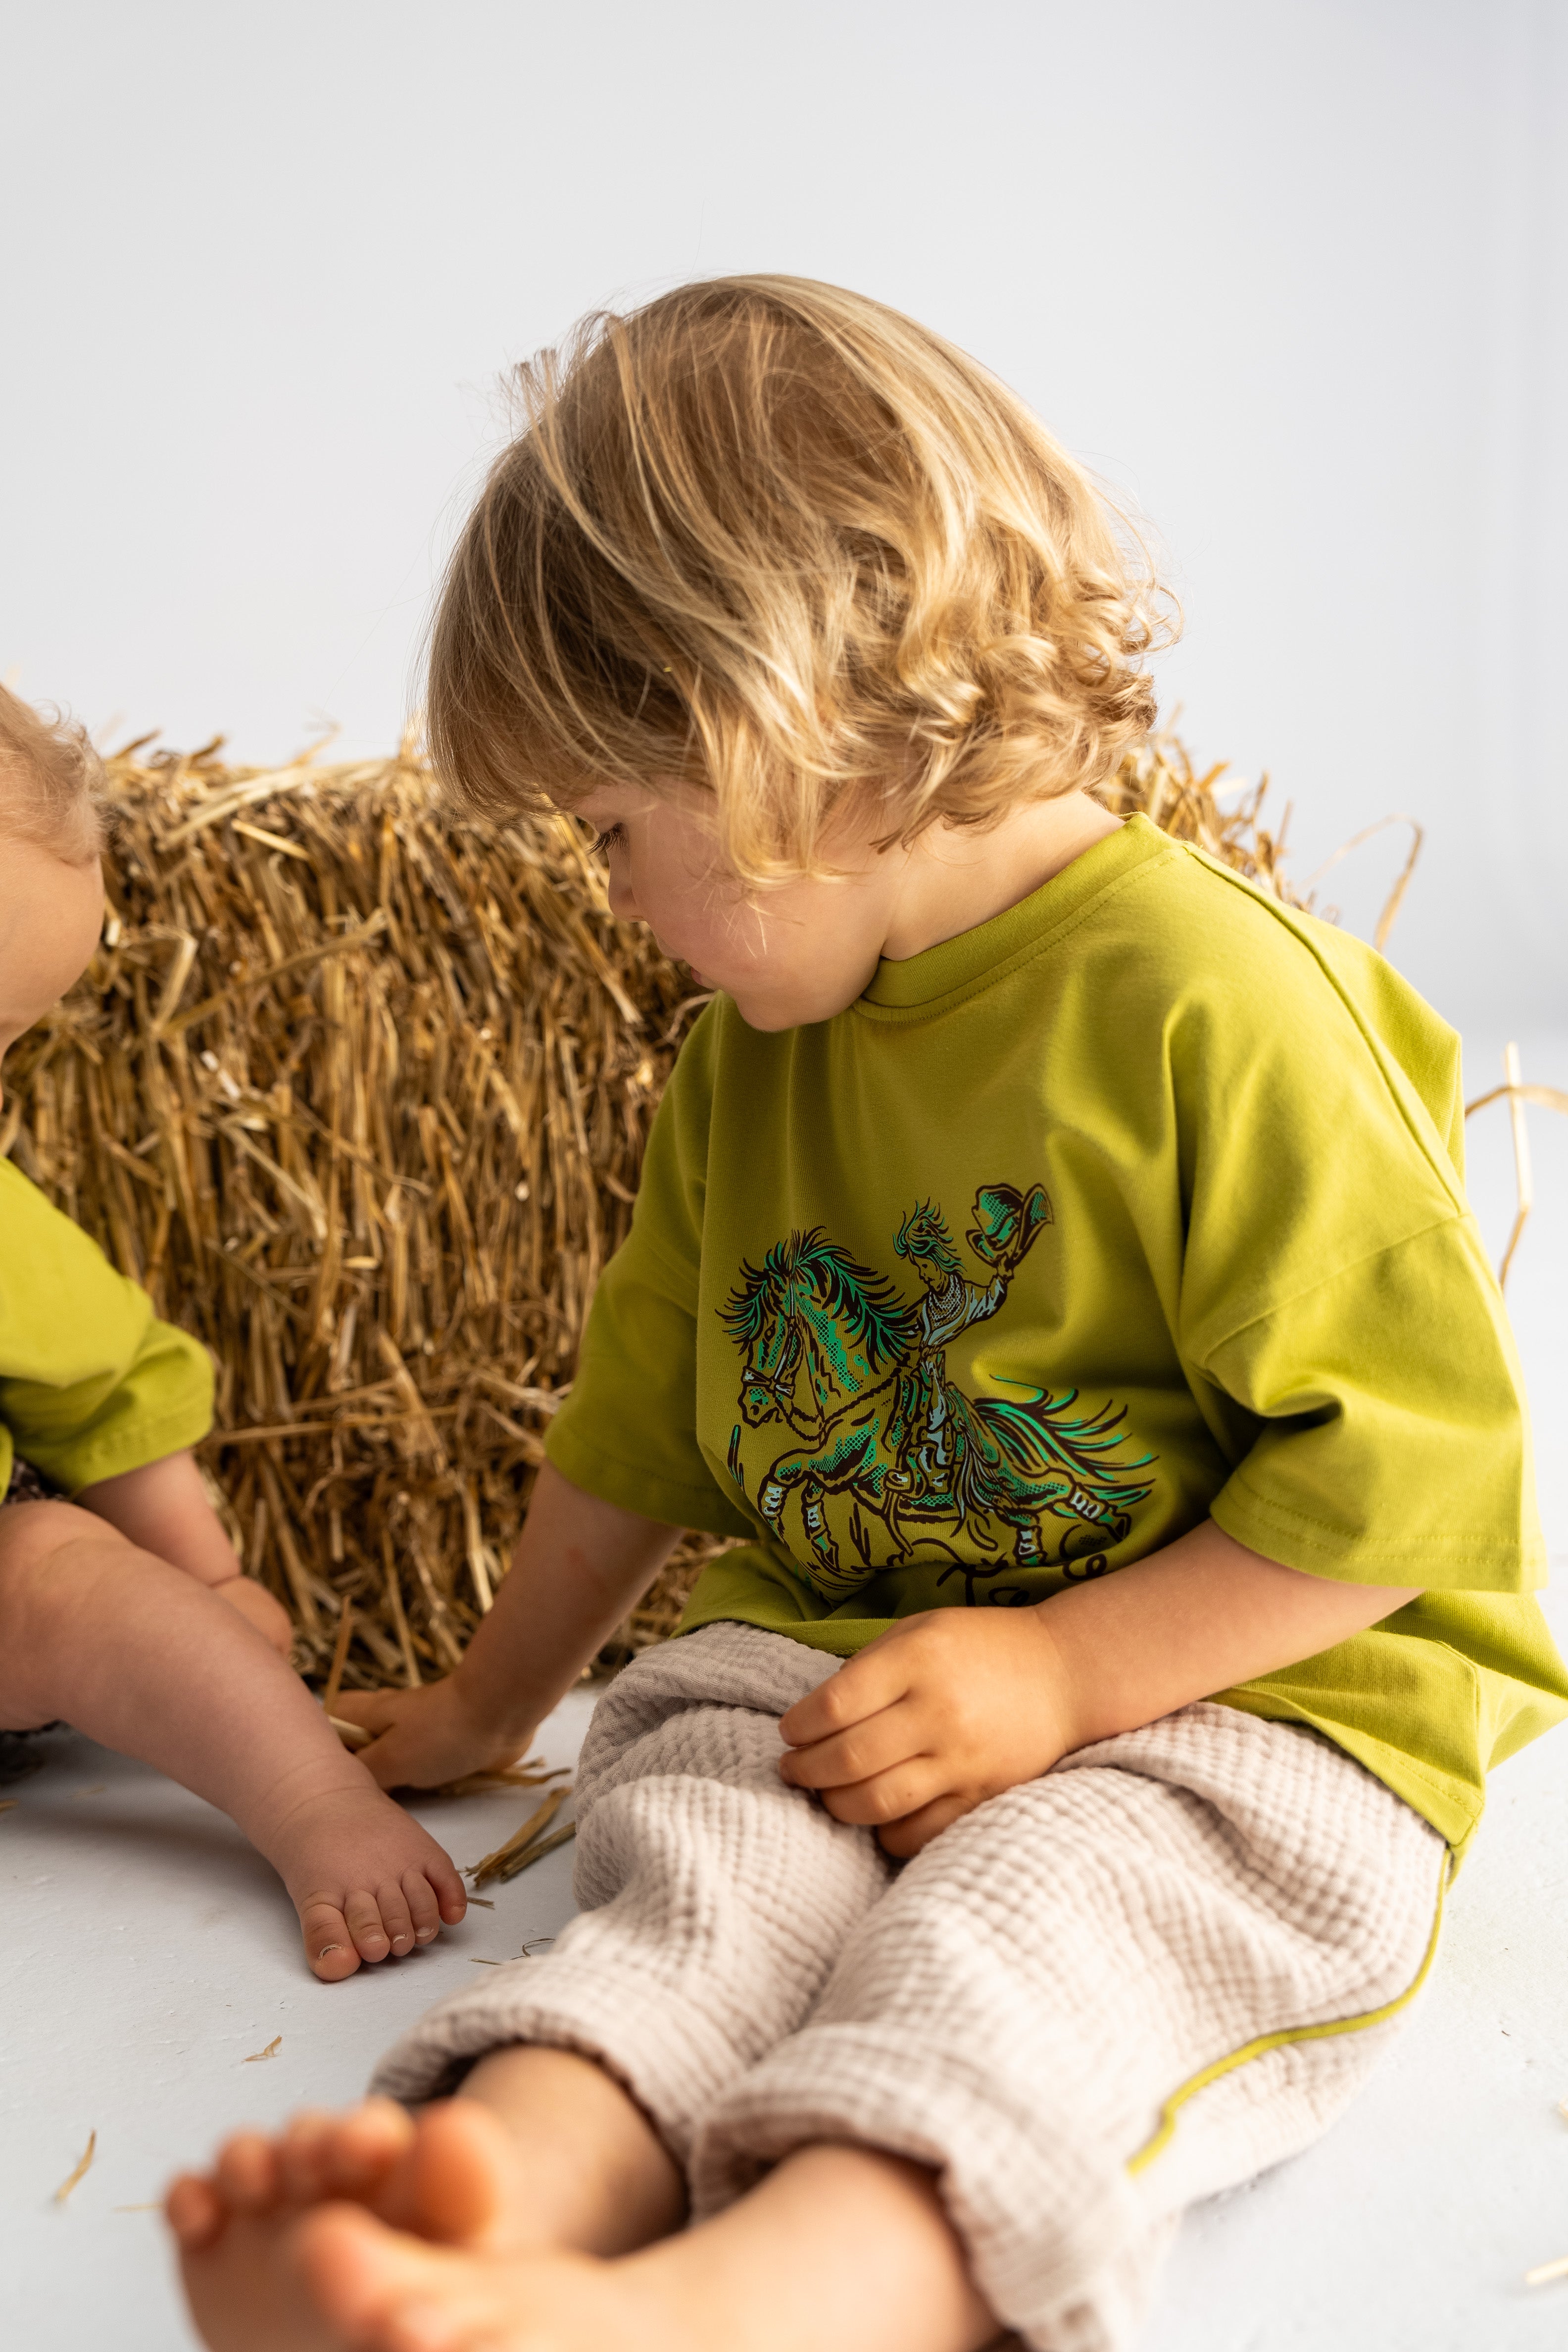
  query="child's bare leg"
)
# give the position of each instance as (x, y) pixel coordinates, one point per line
(587, 2171)
(148, 1661)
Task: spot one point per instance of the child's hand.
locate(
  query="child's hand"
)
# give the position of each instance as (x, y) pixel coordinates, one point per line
(258, 1607)
(426, 1737)
(933, 1717)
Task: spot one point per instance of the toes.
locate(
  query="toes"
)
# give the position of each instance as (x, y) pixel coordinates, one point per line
(246, 2173)
(305, 2156)
(397, 1920)
(329, 1946)
(463, 2175)
(362, 1913)
(448, 1886)
(196, 2213)
(422, 1907)
(358, 2274)
(422, 2326)
(366, 2148)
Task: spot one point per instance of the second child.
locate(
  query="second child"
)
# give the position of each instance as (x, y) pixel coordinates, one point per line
(123, 1607)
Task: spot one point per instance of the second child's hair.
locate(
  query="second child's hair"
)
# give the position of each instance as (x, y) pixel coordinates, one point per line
(51, 779)
(775, 540)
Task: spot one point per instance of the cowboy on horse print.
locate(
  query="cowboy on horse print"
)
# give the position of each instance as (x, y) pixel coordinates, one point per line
(856, 1374)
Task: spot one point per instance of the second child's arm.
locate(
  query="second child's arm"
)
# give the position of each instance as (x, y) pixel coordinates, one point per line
(580, 1564)
(953, 1706)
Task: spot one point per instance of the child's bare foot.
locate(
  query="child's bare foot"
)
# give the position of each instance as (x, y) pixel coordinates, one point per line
(366, 1880)
(376, 2290)
(372, 2230)
(429, 2243)
(449, 2178)
(149, 1660)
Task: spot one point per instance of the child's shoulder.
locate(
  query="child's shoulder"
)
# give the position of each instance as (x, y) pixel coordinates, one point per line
(1204, 931)
(1260, 985)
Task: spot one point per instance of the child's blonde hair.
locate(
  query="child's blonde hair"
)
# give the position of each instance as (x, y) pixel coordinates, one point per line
(781, 542)
(51, 781)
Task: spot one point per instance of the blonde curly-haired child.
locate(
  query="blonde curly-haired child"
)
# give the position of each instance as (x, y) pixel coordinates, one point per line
(1052, 1260)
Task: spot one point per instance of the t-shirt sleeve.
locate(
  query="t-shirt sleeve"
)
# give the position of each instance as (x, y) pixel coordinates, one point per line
(1337, 1310)
(91, 1383)
(1394, 1445)
(627, 1433)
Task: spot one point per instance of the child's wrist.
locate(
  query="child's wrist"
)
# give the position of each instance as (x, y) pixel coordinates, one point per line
(496, 1717)
(1071, 1696)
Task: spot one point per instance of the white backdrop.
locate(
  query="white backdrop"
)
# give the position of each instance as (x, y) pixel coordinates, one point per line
(1293, 275)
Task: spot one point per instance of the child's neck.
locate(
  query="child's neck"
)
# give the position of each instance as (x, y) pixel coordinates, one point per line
(957, 877)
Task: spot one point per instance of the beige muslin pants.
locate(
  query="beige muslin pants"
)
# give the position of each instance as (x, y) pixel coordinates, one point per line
(1136, 1980)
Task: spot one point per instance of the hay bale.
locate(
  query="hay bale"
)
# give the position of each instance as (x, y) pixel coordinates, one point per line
(359, 1091)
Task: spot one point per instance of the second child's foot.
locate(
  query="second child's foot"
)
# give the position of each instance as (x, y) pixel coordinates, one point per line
(367, 1882)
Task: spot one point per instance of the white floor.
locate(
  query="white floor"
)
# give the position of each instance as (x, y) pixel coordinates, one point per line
(147, 1955)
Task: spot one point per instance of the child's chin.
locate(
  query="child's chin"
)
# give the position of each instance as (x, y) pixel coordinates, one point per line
(770, 1017)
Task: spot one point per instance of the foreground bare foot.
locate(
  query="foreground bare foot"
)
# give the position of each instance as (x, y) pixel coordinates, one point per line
(449, 2178)
(376, 2290)
(838, 2248)
(366, 1880)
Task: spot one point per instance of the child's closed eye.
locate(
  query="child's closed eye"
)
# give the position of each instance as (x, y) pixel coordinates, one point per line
(615, 838)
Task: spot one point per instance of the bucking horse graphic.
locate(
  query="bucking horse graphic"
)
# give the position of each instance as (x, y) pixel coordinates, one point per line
(857, 1375)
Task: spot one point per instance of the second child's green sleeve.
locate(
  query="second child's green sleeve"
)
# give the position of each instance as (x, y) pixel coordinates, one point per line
(92, 1384)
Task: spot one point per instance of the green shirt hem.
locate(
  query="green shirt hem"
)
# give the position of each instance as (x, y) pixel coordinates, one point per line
(73, 1467)
(1295, 1541)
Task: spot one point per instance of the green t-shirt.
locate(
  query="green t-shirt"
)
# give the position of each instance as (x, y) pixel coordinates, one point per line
(90, 1383)
(1139, 1204)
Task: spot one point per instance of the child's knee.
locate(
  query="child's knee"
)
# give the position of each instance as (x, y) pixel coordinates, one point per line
(42, 1555)
(43, 1548)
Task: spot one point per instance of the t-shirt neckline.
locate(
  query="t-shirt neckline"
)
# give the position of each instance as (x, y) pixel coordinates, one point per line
(899, 986)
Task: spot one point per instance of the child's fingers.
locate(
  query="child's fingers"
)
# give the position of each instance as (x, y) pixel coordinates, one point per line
(864, 1686)
(888, 1796)
(373, 1710)
(873, 1746)
(902, 1839)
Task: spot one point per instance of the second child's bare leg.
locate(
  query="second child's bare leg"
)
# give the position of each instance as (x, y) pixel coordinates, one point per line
(151, 1662)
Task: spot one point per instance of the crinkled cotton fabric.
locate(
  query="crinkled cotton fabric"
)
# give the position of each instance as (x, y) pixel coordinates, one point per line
(1134, 1981)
